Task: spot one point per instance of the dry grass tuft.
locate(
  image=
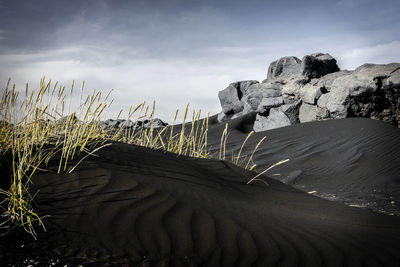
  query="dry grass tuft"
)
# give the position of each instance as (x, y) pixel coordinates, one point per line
(40, 124)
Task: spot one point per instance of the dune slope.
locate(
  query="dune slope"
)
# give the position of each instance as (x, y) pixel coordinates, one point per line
(355, 161)
(138, 206)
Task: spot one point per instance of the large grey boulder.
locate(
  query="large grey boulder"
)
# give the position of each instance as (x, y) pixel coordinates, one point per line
(291, 88)
(282, 116)
(243, 85)
(294, 74)
(377, 94)
(287, 73)
(292, 111)
(230, 97)
(276, 119)
(284, 68)
(393, 81)
(369, 78)
(311, 66)
(311, 92)
(307, 112)
(361, 93)
(222, 117)
(256, 92)
(314, 88)
(230, 101)
(268, 103)
(317, 65)
(335, 102)
(325, 82)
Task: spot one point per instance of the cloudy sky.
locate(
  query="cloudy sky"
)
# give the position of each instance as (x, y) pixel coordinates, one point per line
(184, 51)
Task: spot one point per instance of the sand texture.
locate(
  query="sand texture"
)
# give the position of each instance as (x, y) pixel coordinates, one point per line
(140, 207)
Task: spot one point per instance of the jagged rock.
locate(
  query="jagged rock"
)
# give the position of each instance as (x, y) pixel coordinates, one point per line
(110, 123)
(230, 97)
(294, 73)
(292, 111)
(310, 92)
(290, 89)
(243, 85)
(276, 119)
(268, 103)
(256, 92)
(393, 81)
(323, 101)
(336, 102)
(307, 112)
(368, 78)
(230, 101)
(125, 124)
(325, 92)
(317, 65)
(322, 113)
(155, 123)
(311, 66)
(284, 68)
(247, 108)
(325, 82)
(222, 117)
(284, 115)
(361, 93)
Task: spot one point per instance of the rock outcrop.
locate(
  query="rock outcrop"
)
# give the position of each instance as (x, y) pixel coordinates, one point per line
(128, 124)
(231, 98)
(314, 88)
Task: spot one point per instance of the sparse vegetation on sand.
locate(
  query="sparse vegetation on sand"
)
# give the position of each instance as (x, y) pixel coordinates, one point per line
(40, 124)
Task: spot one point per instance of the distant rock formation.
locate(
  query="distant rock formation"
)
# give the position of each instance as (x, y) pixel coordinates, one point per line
(314, 88)
(126, 124)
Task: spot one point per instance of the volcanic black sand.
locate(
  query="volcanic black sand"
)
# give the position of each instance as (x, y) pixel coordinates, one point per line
(136, 206)
(355, 161)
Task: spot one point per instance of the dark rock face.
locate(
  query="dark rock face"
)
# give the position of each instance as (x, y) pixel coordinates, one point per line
(317, 65)
(230, 97)
(314, 88)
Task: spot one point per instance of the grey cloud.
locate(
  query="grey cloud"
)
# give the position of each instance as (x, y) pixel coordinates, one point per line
(180, 51)
(172, 84)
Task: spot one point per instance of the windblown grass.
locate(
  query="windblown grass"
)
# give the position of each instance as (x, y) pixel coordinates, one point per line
(40, 125)
(33, 130)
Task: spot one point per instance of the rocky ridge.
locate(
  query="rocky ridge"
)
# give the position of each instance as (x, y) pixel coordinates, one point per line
(128, 124)
(314, 88)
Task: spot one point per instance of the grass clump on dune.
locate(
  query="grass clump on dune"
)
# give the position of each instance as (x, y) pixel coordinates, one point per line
(40, 124)
(35, 128)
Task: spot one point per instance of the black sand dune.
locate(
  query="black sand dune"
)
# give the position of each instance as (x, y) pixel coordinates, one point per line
(355, 161)
(136, 206)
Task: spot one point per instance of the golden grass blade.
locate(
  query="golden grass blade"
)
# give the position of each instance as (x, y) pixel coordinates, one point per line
(241, 148)
(42, 123)
(263, 172)
(252, 154)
